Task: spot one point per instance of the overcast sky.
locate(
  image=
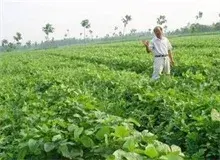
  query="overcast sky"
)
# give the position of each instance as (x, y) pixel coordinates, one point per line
(29, 16)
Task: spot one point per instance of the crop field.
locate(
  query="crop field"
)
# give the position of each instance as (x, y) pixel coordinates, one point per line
(98, 102)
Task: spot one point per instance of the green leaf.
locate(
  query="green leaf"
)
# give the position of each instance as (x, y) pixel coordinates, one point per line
(121, 132)
(64, 150)
(215, 115)
(56, 138)
(151, 151)
(77, 132)
(32, 144)
(130, 144)
(89, 106)
(112, 157)
(49, 147)
(148, 137)
(134, 121)
(22, 153)
(171, 156)
(72, 127)
(120, 154)
(44, 128)
(139, 151)
(106, 140)
(102, 131)
(163, 148)
(175, 149)
(76, 153)
(87, 141)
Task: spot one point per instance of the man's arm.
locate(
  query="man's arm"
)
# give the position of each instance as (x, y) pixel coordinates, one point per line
(148, 49)
(171, 57)
(170, 52)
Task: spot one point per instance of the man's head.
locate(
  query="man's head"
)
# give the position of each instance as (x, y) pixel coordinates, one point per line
(158, 31)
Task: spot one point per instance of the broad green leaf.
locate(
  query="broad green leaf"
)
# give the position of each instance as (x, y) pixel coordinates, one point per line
(89, 132)
(77, 132)
(175, 149)
(32, 144)
(22, 153)
(215, 115)
(102, 131)
(120, 155)
(171, 156)
(163, 148)
(87, 141)
(64, 150)
(139, 151)
(130, 144)
(112, 157)
(56, 138)
(148, 137)
(76, 153)
(49, 147)
(72, 127)
(45, 129)
(89, 106)
(121, 132)
(151, 151)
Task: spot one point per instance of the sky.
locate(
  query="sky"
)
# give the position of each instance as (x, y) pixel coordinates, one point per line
(29, 16)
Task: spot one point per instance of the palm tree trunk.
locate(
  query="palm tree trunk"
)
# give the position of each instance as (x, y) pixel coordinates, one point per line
(85, 35)
(124, 30)
(124, 33)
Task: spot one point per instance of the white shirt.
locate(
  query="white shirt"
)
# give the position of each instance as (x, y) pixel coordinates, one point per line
(160, 46)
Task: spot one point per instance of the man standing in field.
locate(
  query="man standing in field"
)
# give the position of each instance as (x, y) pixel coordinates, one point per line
(161, 48)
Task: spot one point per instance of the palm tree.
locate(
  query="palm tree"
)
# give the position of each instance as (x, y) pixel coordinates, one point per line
(4, 42)
(199, 16)
(195, 27)
(107, 36)
(91, 32)
(86, 25)
(17, 38)
(120, 34)
(165, 27)
(161, 20)
(28, 43)
(10, 47)
(66, 35)
(125, 21)
(133, 31)
(81, 35)
(47, 30)
(115, 30)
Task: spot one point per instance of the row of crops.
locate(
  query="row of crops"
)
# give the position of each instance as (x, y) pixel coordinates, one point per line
(98, 102)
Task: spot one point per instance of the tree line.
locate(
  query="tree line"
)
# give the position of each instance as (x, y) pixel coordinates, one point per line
(48, 29)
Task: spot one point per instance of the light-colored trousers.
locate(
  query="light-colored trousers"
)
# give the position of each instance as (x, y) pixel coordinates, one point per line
(161, 64)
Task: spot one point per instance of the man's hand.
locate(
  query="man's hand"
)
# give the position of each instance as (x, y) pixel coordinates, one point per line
(172, 63)
(171, 58)
(146, 43)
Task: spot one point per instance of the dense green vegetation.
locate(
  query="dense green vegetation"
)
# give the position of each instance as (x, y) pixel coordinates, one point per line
(98, 102)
